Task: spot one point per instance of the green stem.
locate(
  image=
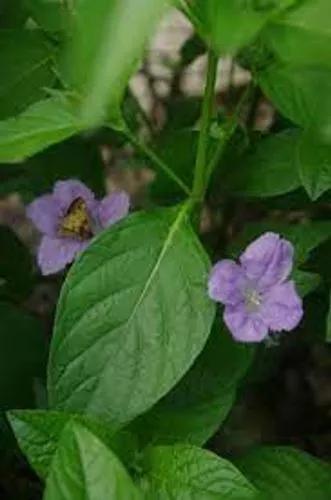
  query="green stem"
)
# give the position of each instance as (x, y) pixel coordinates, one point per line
(229, 130)
(199, 184)
(149, 153)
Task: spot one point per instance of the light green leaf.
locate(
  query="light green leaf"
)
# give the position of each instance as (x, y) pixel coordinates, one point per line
(229, 26)
(23, 356)
(269, 170)
(314, 162)
(84, 468)
(108, 42)
(198, 405)
(301, 93)
(41, 125)
(26, 62)
(302, 35)
(132, 317)
(39, 432)
(282, 472)
(187, 472)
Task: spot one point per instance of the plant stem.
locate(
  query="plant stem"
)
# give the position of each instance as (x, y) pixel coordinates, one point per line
(199, 184)
(156, 160)
(229, 130)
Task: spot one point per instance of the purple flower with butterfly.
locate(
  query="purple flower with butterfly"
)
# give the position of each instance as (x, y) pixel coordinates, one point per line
(257, 294)
(69, 218)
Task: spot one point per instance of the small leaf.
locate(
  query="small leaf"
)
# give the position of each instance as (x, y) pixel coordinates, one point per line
(39, 432)
(26, 62)
(198, 405)
(287, 473)
(132, 317)
(184, 471)
(41, 125)
(270, 170)
(108, 42)
(305, 282)
(314, 160)
(83, 467)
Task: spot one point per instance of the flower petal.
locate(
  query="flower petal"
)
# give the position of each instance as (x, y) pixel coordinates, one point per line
(55, 253)
(244, 326)
(226, 282)
(113, 208)
(44, 213)
(282, 307)
(268, 260)
(65, 192)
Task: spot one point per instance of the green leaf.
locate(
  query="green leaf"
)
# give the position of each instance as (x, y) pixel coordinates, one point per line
(228, 26)
(328, 324)
(305, 282)
(302, 35)
(83, 467)
(26, 62)
(39, 432)
(184, 471)
(283, 472)
(132, 317)
(269, 170)
(15, 265)
(108, 42)
(198, 405)
(301, 93)
(23, 356)
(305, 237)
(50, 15)
(12, 14)
(41, 125)
(314, 161)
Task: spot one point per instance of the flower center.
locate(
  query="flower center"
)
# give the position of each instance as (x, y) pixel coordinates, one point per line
(253, 299)
(76, 223)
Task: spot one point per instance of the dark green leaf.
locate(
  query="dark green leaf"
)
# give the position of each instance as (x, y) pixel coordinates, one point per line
(194, 409)
(26, 63)
(15, 265)
(132, 317)
(39, 432)
(302, 35)
(314, 161)
(270, 170)
(183, 471)
(305, 282)
(22, 357)
(41, 125)
(12, 14)
(280, 473)
(108, 42)
(50, 15)
(84, 468)
(328, 324)
(301, 93)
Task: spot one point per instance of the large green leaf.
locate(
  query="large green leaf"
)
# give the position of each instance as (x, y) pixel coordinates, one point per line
(26, 63)
(108, 42)
(84, 468)
(269, 170)
(302, 35)
(314, 163)
(193, 410)
(228, 26)
(280, 473)
(39, 432)
(23, 356)
(41, 125)
(187, 472)
(132, 317)
(301, 93)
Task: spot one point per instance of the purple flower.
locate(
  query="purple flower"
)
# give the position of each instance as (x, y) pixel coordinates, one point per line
(257, 295)
(68, 219)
